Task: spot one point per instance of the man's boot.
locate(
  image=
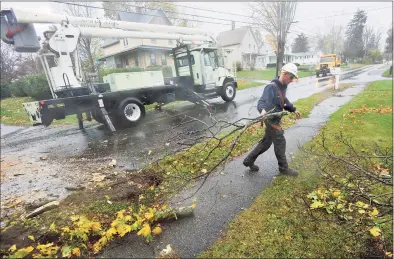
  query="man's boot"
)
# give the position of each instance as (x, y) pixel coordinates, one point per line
(288, 171)
(252, 166)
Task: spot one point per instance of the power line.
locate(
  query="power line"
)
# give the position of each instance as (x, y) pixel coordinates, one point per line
(210, 22)
(195, 15)
(322, 17)
(96, 7)
(202, 9)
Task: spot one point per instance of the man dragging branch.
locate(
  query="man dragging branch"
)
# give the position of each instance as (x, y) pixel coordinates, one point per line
(274, 98)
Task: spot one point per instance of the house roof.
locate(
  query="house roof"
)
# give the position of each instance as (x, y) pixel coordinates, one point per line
(142, 47)
(142, 17)
(136, 17)
(232, 37)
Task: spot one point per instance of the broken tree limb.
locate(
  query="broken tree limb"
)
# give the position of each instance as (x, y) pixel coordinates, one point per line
(42, 209)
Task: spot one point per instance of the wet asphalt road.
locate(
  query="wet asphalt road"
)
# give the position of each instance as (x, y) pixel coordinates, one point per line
(226, 193)
(40, 162)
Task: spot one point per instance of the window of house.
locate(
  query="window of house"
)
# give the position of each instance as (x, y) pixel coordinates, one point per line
(153, 41)
(163, 60)
(136, 61)
(169, 42)
(125, 42)
(152, 59)
(125, 61)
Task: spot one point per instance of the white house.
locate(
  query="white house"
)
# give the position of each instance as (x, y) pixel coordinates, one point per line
(130, 52)
(303, 58)
(244, 45)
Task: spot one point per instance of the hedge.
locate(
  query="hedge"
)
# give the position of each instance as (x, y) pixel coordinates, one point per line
(35, 86)
(5, 91)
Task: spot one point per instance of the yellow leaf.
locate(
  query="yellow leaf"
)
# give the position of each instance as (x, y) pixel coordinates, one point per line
(164, 207)
(53, 227)
(156, 231)
(66, 229)
(204, 171)
(148, 215)
(361, 211)
(123, 230)
(31, 238)
(127, 218)
(193, 206)
(336, 193)
(375, 231)
(77, 252)
(12, 248)
(317, 204)
(374, 213)
(145, 231)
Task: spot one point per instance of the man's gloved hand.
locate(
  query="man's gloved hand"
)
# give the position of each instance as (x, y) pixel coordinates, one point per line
(298, 114)
(262, 114)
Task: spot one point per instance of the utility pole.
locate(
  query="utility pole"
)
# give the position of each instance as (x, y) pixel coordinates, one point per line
(279, 38)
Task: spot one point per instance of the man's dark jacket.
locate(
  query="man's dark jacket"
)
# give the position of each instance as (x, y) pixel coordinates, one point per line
(271, 99)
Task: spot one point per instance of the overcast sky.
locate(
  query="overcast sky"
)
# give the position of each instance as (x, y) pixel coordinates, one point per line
(308, 15)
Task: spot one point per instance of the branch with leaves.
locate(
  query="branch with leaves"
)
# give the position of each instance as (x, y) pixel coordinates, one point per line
(357, 184)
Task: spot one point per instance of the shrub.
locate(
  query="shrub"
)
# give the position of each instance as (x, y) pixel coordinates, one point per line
(238, 66)
(36, 86)
(5, 91)
(18, 88)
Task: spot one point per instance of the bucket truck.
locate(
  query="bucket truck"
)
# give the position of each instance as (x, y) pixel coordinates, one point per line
(198, 65)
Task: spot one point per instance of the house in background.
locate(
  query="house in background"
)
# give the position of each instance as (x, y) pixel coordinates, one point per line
(139, 52)
(303, 58)
(244, 47)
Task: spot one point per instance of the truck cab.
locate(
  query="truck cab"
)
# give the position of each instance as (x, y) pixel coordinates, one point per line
(328, 64)
(204, 66)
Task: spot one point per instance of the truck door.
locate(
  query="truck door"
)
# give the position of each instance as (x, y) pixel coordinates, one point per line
(209, 67)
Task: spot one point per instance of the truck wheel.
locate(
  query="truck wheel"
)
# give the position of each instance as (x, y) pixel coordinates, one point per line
(97, 116)
(317, 74)
(324, 73)
(228, 92)
(131, 112)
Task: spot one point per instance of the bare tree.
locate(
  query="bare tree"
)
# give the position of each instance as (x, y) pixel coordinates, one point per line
(88, 47)
(331, 42)
(10, 63)
(276, 19)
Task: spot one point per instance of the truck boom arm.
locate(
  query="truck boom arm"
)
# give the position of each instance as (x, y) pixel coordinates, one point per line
(35, 16)
(17, 28)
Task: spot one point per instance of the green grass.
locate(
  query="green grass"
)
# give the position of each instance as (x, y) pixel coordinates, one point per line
(387, 73)
(268, 74)
(245, 84)
(13, 113)
(278, 224)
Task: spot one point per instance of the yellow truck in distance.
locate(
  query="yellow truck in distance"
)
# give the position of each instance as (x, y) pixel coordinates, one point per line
(328, 64)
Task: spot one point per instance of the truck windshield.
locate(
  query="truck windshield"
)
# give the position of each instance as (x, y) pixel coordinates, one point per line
(184, 61)
(330, 59)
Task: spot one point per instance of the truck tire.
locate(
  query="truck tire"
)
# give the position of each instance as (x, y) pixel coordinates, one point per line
(130, 112)
(228, 92)
(97, 116)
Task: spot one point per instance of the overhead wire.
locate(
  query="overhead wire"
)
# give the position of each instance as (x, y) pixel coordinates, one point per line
(211, 22)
